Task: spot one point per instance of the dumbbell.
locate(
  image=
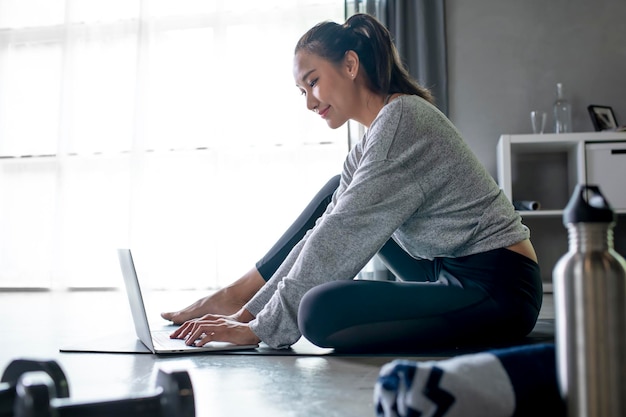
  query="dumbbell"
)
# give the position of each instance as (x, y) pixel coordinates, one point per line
(19, 367)
(173, 397)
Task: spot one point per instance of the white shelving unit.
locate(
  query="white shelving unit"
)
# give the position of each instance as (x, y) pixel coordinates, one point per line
(546, 168)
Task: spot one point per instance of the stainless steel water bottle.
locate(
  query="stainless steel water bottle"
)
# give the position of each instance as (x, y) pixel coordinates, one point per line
(590, 310)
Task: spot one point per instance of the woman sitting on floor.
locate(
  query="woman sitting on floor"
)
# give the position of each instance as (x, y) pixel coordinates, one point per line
(412, 192)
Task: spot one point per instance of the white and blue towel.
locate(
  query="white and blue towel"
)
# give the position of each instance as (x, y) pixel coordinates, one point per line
(519, 381)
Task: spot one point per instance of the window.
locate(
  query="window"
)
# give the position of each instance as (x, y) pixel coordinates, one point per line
(174, 128)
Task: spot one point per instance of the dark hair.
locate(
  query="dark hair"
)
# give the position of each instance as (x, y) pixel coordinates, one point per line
(371, 41)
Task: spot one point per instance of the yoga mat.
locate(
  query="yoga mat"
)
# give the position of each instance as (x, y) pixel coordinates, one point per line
(129, 344)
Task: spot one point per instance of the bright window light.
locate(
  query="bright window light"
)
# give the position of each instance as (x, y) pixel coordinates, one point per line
(173, 128)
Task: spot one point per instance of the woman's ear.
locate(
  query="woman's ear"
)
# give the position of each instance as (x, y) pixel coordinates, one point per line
(351, 64)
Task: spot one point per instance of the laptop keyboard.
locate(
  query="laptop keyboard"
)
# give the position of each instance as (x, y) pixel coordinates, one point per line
(162, 340)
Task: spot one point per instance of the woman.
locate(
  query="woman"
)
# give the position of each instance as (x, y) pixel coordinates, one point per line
(411, 191)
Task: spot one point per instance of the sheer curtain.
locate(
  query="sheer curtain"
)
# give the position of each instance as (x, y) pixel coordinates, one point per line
(173, 128)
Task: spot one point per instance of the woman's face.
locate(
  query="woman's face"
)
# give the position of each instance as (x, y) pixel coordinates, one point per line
(328, 88)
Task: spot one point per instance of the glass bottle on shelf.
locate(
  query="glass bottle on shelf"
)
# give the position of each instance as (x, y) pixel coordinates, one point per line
(562, 112)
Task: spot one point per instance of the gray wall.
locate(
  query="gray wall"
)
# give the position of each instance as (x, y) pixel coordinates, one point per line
(506, 56)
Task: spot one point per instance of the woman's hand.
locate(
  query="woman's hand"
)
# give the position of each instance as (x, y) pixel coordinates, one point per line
(214, 327)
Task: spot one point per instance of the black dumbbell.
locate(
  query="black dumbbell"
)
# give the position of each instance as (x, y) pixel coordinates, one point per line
(36, 397)
(19, 367)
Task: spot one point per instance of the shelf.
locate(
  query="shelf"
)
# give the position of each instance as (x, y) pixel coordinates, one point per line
(555, 213)
(546, 167)
(564, 138)
(541, 213)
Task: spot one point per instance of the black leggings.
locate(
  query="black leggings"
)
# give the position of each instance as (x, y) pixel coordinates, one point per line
(484, 298)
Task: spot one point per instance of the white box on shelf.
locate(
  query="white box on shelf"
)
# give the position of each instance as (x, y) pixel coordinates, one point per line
(606, 167)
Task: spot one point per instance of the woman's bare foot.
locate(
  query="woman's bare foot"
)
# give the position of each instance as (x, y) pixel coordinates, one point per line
(226, 301)
(217, 303)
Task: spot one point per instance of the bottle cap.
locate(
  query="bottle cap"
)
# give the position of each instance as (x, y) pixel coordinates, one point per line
(588, 205)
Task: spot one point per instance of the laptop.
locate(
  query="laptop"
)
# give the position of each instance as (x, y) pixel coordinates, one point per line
(158, 341)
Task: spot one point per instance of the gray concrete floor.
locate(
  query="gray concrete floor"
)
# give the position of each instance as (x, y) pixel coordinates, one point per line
(37, 324)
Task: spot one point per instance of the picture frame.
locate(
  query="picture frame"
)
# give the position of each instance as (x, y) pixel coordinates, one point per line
(602, 117)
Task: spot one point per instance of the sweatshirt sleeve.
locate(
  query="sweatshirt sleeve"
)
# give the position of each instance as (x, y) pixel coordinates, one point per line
(376, 196)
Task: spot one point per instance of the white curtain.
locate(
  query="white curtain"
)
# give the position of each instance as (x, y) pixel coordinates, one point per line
(171, 127)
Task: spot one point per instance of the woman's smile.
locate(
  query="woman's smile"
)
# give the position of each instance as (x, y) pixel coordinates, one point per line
(324, 112)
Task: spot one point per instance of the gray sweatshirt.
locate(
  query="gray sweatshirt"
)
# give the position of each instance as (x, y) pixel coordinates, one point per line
(411, 178)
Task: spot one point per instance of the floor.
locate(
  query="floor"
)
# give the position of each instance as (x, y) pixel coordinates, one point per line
(37, 324)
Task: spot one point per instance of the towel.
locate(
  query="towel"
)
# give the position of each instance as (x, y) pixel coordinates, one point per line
(518, 381)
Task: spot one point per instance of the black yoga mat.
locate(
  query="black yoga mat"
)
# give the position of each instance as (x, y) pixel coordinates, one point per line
(129, 344)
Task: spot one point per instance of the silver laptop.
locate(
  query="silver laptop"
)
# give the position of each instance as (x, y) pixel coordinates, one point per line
(158, 341)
